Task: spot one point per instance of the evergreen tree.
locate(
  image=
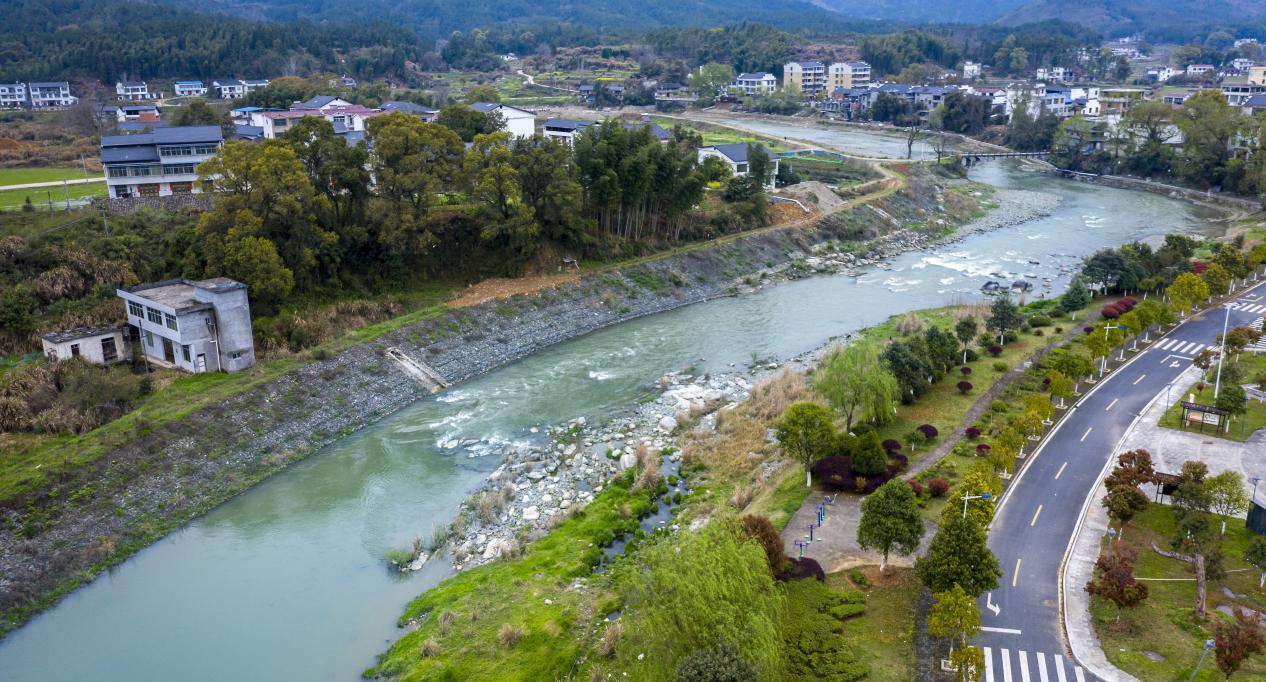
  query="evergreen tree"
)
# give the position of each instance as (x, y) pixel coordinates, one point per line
(960, 556)
(890, 521)
(1004, 316)
(1077, 296)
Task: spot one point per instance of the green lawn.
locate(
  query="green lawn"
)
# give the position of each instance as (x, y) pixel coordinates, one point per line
(1164, 623)
(1242, 427)
(883, 637)
(22, 176)
(13, 199)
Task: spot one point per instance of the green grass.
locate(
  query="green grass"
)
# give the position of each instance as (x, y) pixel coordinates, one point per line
(23, 176)
(1164, 623)
(13, 199)
(1242, 427)
(883, 638)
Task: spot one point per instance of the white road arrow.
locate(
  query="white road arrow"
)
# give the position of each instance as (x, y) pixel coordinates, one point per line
(992, 606)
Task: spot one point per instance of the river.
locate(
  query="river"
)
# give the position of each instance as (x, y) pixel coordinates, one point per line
(288, 582)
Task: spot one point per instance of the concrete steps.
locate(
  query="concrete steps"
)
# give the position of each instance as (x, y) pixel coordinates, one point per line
(426, 376)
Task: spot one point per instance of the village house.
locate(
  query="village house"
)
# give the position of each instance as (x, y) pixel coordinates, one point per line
(1238, 90)
(228, 88)
(197, 326)
(131, 91)
(12, 95)
(51, 95)
(971, 70)
(159, 163)
(136, 112)
(1199, 69)
(253, 85)
(345, 119)
(520, 123)
(675, 92)
(321, 103)
(756, 84)
(190, 89)
(735, 156)
(564, 129)
(425, 113)
(101, 345)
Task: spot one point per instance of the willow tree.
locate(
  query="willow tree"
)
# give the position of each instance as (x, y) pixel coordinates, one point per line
(857, 383)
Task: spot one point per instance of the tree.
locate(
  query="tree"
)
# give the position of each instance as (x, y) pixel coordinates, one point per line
(1114, 580)
(1217, 279)
(979, 480)
(509, 225)
(1232, 398)
(413, 162)
(1004, 316)
(1208, 125)
(966, 329)
(805, 432)
(1077, 296)
(954, 615)
(1255, 555)
(969, 664)
(1123, 503)
(547, 180)
(856, 382)
(718, 663)
(482, 93)
(1226, 495)
(254, 261)
(1235, 641)
(890, 521)
(713, 79)
(959, 555)
(964, 114)
(869, 457)
(1195, 539)
(762, 530)
(198, 113)
(338, 171)
(466, 122)
(1061, 386)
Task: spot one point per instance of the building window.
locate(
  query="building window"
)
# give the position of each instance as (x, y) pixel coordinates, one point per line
(170, 321)
(149, 338)
(235, 355)
(116, 172)
(205, 149)
(123, 192)
(740, 168)
(175, 151)
(180, 169)
(184, 352)
(74, 350)
(182, 188)
(154, 316)
(147, 190)
(135, 309)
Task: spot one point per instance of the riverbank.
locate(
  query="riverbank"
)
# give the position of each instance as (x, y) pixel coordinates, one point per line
(63, 536)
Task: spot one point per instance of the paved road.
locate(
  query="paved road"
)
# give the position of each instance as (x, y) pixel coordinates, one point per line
(54, 183)
(1032, 529)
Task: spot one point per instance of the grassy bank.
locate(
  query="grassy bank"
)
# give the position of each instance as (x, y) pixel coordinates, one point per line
(1164, 624)
(1241, 427)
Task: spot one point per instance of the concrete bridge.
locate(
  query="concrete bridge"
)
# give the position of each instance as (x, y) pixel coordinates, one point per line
(973, 158)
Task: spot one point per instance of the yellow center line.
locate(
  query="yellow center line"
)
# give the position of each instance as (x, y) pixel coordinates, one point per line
(1034, 521)
(1061, 470)
(1015, 577)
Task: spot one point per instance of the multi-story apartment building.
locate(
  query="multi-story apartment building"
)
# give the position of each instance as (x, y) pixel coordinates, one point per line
(1119, 101)
(197, 326)
(190, 89)
(757, 84)
(1238, 90)
(12, 95)
(51, 95)
(848, 75)
(130, 91)
(159, 163)
(808, 77)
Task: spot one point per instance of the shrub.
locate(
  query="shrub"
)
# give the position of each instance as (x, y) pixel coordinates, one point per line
(983, 449)
(1110, 312)
(1088, 330)
(429, 649)
(995, 350)
(804, 567)
(816, 648)
(1037, 332)
(964, 387)
(869, 457)
(891, 445)
(999, 366)
(938, 487)
(929, 432)
(509, 635)
(1039, 321)
(915, 486)
(834, 472)
(760, 529)
(719, 663)
(972, 355)
(897, 461)
(998, 406)
(966, 371)
(971, 432)
(1059, 330)
(859, 579)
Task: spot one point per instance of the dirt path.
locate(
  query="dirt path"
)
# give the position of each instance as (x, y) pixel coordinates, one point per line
(504, 287)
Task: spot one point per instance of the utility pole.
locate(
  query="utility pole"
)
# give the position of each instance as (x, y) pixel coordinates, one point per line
(1217, 383)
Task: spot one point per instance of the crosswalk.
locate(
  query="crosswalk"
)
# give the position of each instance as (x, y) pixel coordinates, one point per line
(1260, 346)
(1005, 665)
(1248, 306)
(1180, 347)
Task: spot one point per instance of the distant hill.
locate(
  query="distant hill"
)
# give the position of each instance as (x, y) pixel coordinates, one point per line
(1158, 16)
(923, 11)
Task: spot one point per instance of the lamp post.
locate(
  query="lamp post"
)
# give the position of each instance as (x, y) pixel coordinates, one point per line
(985, 496)
(1208, 646)
(1217, 383)
(1254, 480)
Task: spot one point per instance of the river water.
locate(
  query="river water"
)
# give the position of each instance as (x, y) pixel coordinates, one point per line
(288, 582)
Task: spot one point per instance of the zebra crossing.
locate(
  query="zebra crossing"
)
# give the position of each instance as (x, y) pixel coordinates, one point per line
(1025, 666)
(1260, 346)
(1248, 306)
(1180, 347)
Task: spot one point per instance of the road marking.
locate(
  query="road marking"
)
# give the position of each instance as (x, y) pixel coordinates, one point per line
(1034, 521)
(1041, 666)
(1087, 433)
(1006, 665)
(1015, 577)
(1059, 667)
(1164, 345)
(1081, 677)
(1109, 407)
(988, 664)
(1004, 631)
(1136, 381)
(1024, 665)
(1061, 469)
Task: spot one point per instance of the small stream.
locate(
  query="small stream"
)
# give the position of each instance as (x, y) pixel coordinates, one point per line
(288, 582)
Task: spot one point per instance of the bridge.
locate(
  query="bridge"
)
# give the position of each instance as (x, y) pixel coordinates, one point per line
(973, 158)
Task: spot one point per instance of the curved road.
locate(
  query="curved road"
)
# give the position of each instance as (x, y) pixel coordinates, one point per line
(1024, 642)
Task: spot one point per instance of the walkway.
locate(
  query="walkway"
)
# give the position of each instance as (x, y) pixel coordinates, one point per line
(53, 183)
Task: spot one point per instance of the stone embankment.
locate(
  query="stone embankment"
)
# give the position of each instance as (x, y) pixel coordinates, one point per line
(167, 474)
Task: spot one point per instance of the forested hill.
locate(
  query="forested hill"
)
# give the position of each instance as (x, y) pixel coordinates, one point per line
(919, 11)
(1161, 20)
(113, 39)
(439, 18)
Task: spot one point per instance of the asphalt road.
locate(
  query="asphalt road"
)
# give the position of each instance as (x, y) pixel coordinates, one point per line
(1032, 530)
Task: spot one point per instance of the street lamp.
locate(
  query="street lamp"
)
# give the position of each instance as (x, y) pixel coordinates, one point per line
(1208, 646)
(1104, 366)
(1254, 480)
(1217, 383)
(985, 496)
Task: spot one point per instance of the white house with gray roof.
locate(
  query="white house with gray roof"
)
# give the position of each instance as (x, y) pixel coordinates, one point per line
(131, 91)
(103, 345)
(228, 88)
(193, 325)
(50, 95)
(12, 95)
(520, 123)
(735, 156)
(756, 84)
(158, 163)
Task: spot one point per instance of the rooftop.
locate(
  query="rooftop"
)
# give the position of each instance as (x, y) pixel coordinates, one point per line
(78, 333)
(171, 135)
(567, 123)
(408, 108)
(754, 76)
(178, 294)
(736, 152)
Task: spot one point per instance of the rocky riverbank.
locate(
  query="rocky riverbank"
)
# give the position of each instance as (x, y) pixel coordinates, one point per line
(167, 474)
